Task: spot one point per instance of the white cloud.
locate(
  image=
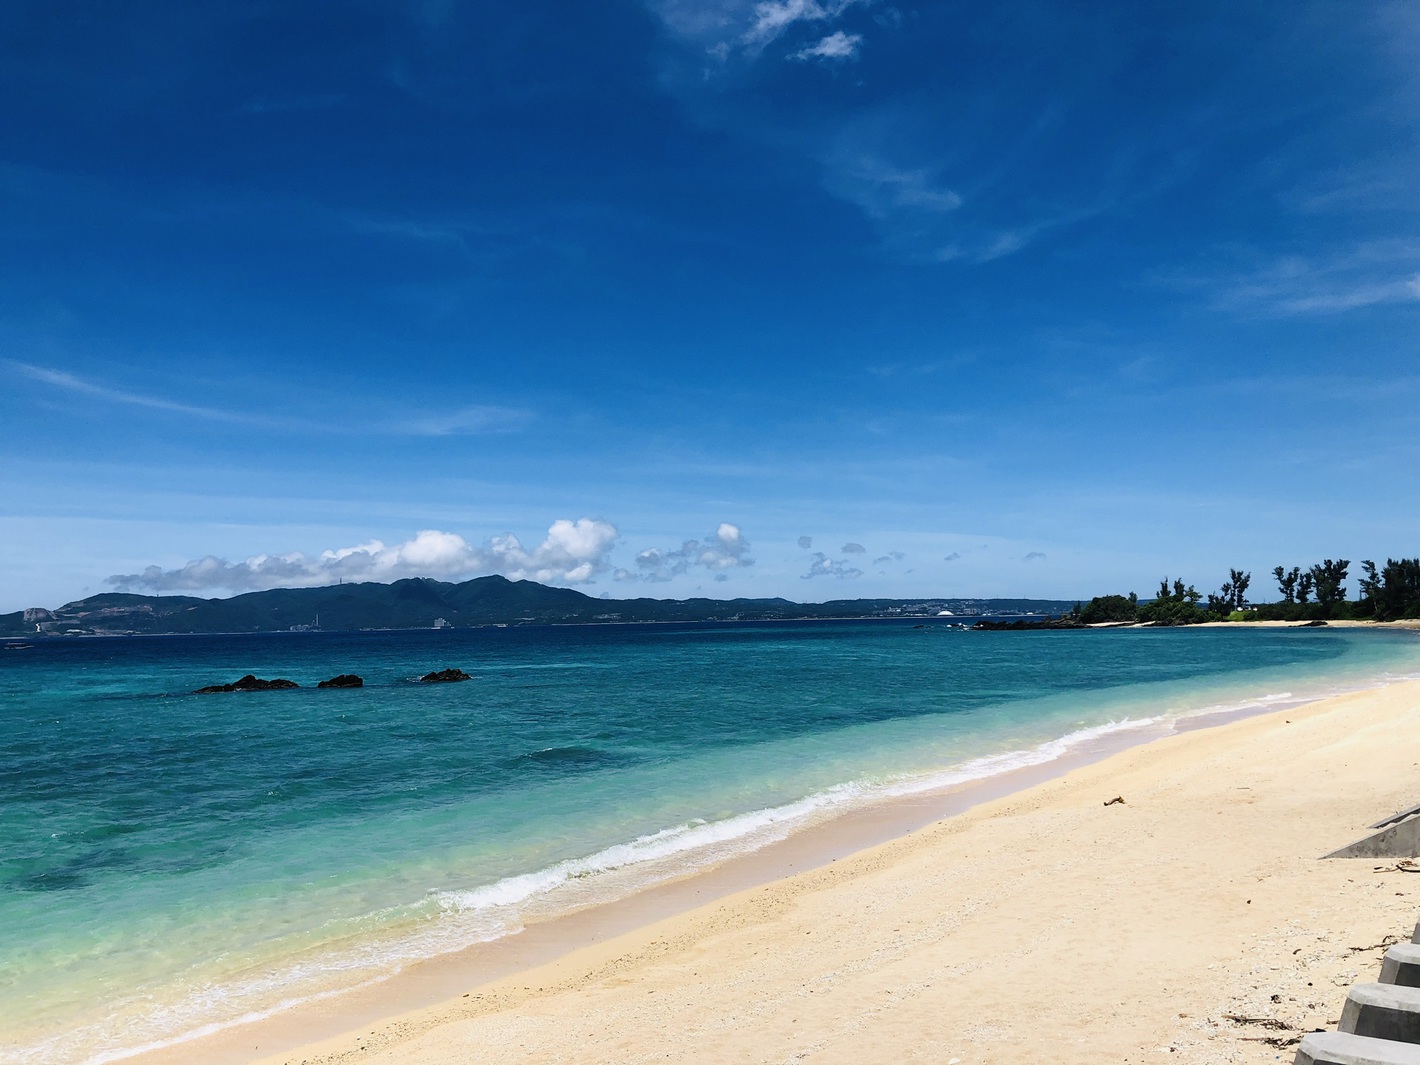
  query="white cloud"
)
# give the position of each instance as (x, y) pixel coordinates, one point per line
(823, 566)
(727, 549)
(952, 557)
(852, 549)
(572, 553)
(806, 542)
(1032, 556)
(891, 556)
(838, 45)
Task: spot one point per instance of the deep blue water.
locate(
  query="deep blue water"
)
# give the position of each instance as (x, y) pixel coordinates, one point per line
(169, 860)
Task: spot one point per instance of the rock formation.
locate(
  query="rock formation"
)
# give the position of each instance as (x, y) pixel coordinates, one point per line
(443, 676)
(345, 680)
(249, 683)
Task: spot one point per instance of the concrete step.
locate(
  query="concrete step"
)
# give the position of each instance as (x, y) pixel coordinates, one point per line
(1341, 1048)
(1385, 1011)
(1401, 965)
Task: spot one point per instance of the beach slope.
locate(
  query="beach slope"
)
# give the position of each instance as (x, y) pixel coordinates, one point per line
(1193, 921)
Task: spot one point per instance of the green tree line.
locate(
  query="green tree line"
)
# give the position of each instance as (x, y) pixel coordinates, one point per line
(1317, 593)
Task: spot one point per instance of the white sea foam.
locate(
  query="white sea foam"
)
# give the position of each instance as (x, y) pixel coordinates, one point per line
(686, 840)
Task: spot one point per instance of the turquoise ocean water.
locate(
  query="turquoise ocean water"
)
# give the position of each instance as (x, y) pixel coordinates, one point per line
(171, 862)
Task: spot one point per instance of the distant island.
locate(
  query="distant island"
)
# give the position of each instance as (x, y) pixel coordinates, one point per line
(424, 603)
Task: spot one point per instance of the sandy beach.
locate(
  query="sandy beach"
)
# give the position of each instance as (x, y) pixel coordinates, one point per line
(1193, 920)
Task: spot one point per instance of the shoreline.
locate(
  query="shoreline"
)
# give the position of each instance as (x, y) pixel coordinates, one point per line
(955, 620)
(431, 985)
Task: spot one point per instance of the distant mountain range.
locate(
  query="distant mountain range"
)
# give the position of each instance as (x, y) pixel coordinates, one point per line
(425, 603)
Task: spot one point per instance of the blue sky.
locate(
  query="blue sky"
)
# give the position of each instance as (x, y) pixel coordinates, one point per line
(811, 298)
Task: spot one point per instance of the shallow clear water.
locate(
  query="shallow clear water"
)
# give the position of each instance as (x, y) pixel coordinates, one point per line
(169, 860)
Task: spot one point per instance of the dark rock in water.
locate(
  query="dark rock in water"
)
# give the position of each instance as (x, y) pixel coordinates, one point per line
(345, 680)
(249, 683)
(1023, 625)
(444, 676)
(1313, 625)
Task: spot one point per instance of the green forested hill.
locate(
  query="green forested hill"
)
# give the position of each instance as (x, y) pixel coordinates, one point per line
(420, 602)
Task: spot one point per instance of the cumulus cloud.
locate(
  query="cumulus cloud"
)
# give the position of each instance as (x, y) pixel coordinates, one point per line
(852, 549)
(823, 566)
(726, 550)
(1031, 556)
(806, 542)
(891, 556)
(837, 45)
(573, 553)
(952, 557)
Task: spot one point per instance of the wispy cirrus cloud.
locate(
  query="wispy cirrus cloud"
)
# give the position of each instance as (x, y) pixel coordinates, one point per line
(473, 419)
(1366, 274)
(573, 552)
(71, 383)
(917, 208)
(884, 189)
(925, 206)
(930, 199)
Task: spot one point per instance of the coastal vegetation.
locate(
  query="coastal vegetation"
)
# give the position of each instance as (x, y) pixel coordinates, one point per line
(1317, 593)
